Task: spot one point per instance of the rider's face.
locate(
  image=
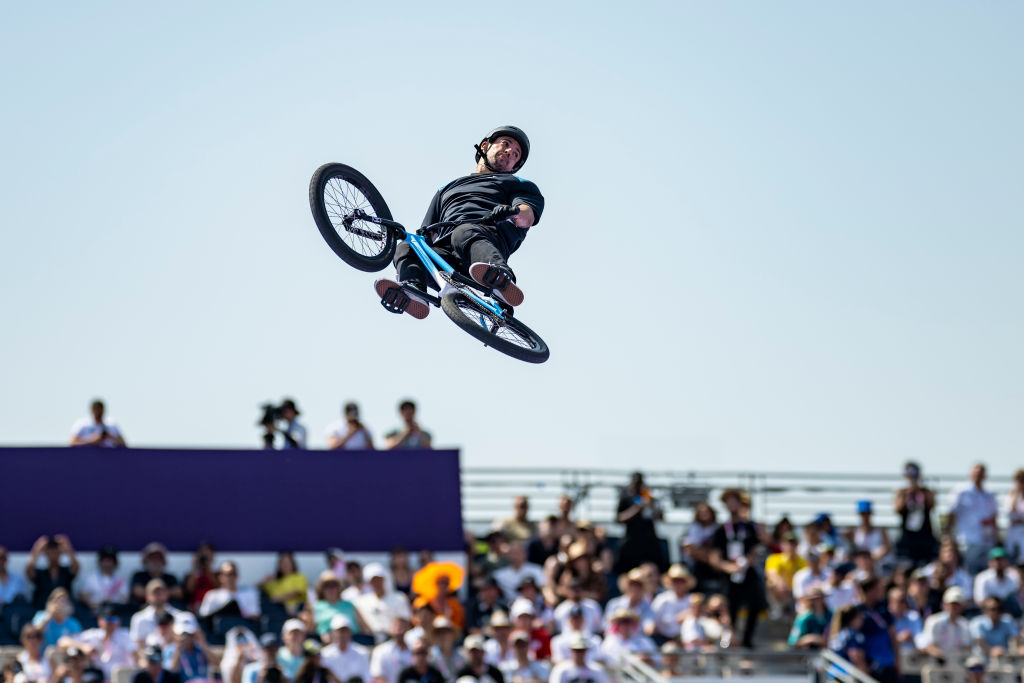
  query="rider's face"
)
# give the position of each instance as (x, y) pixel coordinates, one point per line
(503, 154)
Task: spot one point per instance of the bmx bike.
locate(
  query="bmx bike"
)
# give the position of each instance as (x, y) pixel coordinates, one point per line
(357, 225)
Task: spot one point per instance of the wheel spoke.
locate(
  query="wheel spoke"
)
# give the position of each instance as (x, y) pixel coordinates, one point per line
(341, 199)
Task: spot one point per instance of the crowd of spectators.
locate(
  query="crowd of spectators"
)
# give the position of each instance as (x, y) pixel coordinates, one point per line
(282, 429)
(553, 599)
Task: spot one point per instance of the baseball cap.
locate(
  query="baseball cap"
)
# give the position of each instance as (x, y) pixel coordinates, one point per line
(953, 594)
(473, 642)
(374, 570)
(578, 642)
(292, 625)
(185, 623)
(517, 636)
(442, 622)
(521, 607)
(499, 618)
(270, 640)
(154, 548)
(863, 506)
(340, 621)
(997, 552)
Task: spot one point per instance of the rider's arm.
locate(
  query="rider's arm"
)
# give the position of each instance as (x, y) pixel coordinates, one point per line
(525, 218)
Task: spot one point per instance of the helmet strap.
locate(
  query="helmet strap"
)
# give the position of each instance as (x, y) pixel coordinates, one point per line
(484, 156)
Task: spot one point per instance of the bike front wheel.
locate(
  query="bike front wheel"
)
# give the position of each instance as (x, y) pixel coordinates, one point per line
(507, 335)
(337, 193)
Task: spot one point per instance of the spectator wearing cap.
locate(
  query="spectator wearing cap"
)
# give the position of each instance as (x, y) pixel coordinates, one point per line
(733, 548)
(829, 533)
(475, 666)
(590, 610)
(56, 574)
(329, 604)
(154, 671)
(624, 637)
(389, 658)
(144, 622)
(582, 566)
(287, 585)
(914, 504)
(1000, 580)
(348, 433)
(294, 432)
(259, 670)
(779, 569)
(312, 670)
(109, 644)
(518, 527)
(631, 585)
(574, 630)
(343, 658)
(96, 430)
(56, 620)
(947, 633)
(522, 667)
(76, 668)
(444, 655)
(524, 618)
(154, 565)
(577, 669)
(189, 655)
(410, 434)
(810, 628)
(972, 516)
(230, 600)
(995, 634)
(907, 622)
(380, 605)
(486, 601)
(528, 590)
(816, 573)
(290, 657)
(497, 648)
(12, 586)
(105, 584)
(669, 605)
(420, 671)
(868, 537)
(518, 568)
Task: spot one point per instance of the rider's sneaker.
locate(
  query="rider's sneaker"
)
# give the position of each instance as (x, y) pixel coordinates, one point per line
(398, 300)
(499, 279)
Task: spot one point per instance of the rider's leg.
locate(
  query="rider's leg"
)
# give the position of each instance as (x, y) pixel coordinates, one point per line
(480, 246)
(410, 271)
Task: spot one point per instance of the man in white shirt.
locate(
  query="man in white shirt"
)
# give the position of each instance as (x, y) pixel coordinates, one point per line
(105, 585)
(815, 575)
(345, 659)
(109, 646)
(669, 605)
(380, 606)
(561, 645)
(523, 667)
(143, 623)
(518, 568)
(972, 514)
(218, 601)
(624, 637)
(348, 433)
(577, 669)
(946, 633)
(95, 431)
(998, 581)
(593, 618)
(390, 657)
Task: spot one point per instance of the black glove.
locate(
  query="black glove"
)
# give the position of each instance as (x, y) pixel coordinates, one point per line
(500, 213)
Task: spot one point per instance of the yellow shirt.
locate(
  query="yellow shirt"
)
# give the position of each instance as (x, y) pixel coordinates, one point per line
(784, 566)
(288, 584)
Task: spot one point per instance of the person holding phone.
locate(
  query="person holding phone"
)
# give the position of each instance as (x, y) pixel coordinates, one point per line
(96, 431)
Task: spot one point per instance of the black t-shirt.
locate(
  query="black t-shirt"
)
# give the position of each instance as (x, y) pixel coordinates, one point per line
(471, 198)
(490, 672)
(730, 536)
(45, 584)
(164, 677)
(410, 673)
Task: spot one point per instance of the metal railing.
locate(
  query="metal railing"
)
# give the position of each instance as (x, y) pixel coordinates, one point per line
(836, 667)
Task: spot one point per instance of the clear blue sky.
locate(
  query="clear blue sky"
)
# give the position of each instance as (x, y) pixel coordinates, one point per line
(778, 235)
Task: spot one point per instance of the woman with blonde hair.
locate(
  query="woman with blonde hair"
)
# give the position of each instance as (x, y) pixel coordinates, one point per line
(330, 604)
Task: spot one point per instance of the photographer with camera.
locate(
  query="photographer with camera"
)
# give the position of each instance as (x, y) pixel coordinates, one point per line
(294, 432)
(348, 433)
(96, 431)
(56, 574)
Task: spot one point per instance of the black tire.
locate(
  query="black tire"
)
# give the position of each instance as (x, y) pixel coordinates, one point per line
(334, 192)
(509, 336)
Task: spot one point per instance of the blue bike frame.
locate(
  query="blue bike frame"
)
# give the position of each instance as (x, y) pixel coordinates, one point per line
(434, 263)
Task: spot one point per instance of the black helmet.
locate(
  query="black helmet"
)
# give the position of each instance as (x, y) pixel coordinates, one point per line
(512, 132)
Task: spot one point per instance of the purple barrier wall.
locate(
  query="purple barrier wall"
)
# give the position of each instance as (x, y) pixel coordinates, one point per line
(238, 500)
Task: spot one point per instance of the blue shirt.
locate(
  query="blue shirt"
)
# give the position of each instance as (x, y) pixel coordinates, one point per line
(192, 664)
(847, 640)
(14, 587)
(877, 642)
(53, 631)
(911, 621)
(289, 663)
(996, 635)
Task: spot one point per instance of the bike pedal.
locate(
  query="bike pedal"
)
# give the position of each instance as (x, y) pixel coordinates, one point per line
(395, 300)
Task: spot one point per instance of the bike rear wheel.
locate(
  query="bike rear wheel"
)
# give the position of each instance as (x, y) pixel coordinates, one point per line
(336, 192)
(507, 335)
